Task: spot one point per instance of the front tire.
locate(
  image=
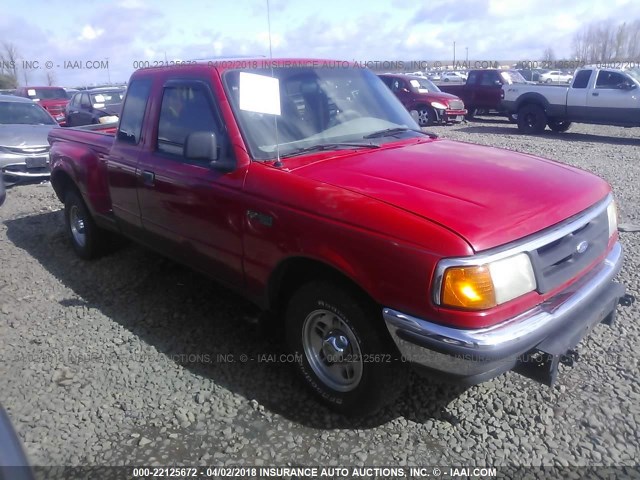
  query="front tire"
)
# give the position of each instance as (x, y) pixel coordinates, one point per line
(532, 119)
(342, 350)
(87, 240)
(426, 116)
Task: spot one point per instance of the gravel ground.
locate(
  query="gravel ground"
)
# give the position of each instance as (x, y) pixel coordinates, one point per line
(133, 359)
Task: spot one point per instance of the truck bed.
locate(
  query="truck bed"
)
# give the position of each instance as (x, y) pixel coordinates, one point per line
(99, 137)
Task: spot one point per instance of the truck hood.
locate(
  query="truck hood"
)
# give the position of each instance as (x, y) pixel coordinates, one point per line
(24, 135)
(489, 196)
(441, 97)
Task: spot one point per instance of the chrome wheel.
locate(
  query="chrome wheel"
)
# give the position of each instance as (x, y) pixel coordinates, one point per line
(424, 117)
(76, 222)
(332, 350)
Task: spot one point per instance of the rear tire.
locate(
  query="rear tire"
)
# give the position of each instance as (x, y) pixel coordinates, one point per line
(87, 240)
(532, 119)
(559, 125)
(341, 348)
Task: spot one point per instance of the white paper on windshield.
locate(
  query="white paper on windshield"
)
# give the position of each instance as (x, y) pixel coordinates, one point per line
(259, 93)
(31, 92)
(99, 98)
(415, 83)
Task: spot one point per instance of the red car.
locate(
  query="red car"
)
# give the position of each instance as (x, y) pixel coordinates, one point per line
(53, 99)
(373, 244)
(421, 94)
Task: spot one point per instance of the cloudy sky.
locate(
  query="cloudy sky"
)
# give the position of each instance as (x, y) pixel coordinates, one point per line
(130, 31)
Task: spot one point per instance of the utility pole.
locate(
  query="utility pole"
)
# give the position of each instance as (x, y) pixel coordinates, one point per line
(467, 57)
(454, 54)
(108, 73)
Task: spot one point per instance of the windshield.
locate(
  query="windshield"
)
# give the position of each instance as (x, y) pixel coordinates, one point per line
(47, 94)
(24, 114)
(113, 97)
(319, 106)
(512, 76)
(634, 73)
(423, 85)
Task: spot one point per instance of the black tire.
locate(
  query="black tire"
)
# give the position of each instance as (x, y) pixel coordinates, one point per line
(79, 224)
(426, 116)
(532, 119)
(323, 311)
(471, 113)
(559, 125)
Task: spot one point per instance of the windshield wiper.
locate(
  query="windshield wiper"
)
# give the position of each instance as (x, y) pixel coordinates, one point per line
(394, 130)
(328, 146)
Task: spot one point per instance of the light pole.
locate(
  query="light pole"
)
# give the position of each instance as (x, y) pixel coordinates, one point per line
(454, 54)
(108, 73)
(467, 56)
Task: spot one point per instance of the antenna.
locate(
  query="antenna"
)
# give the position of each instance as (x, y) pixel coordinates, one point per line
(278, 163)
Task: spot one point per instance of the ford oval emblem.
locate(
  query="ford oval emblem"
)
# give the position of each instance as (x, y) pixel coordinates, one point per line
(582, 246)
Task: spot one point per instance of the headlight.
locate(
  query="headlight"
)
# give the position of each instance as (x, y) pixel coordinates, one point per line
(438, 105)
(612, 215)
(478, 287)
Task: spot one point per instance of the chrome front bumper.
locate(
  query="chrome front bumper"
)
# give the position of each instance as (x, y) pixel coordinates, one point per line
(553, 327)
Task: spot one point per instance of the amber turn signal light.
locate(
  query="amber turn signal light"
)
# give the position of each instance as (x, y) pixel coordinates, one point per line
(468, 287)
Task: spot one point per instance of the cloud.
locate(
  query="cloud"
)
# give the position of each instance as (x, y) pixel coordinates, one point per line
(90, 33)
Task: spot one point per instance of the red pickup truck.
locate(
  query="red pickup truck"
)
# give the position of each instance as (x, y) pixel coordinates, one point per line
(482, 92)
(53, 99)
(312, 191)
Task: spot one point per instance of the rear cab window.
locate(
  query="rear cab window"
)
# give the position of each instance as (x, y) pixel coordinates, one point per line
(133, 110)
(582, 79)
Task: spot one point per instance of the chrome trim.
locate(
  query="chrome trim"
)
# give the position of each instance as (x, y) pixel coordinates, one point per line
(521, 332)
(525, 245)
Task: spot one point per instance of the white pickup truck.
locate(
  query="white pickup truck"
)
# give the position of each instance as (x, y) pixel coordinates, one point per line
(597, 95)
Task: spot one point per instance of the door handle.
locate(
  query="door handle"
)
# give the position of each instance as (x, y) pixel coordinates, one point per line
(595, 94)
(148, 178)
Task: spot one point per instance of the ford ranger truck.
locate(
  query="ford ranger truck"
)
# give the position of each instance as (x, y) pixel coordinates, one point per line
(601, 96)
(375, 245)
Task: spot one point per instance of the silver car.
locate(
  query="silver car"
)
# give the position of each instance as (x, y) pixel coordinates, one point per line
(24, 149)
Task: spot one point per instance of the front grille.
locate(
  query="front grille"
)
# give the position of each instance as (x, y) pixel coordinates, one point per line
(456, 105)
(562, 259)
(27, 150)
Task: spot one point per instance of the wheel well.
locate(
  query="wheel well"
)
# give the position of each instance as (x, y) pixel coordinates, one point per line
(294, 272)
(61, 183)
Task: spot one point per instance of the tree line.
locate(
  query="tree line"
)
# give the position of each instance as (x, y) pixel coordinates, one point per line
(606, 41)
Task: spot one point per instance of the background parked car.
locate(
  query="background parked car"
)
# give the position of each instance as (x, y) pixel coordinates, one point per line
(421, 94)
(555, 76)
(453, 77)
(94, 106)
(53, 99)
(71, 92)
(24, 149)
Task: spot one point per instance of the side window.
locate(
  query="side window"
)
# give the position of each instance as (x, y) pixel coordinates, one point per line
(386, 81)
(489, 79)
(185, 109)
(609, 79)
(84, 101)
(472, 79)
(395, 85)
(582, 79)
(133, 111)
(74, 101)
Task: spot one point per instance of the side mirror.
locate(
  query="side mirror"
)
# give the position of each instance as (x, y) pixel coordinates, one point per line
(627, 86)
(405, 90)
(204, 146)
(416, 117)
